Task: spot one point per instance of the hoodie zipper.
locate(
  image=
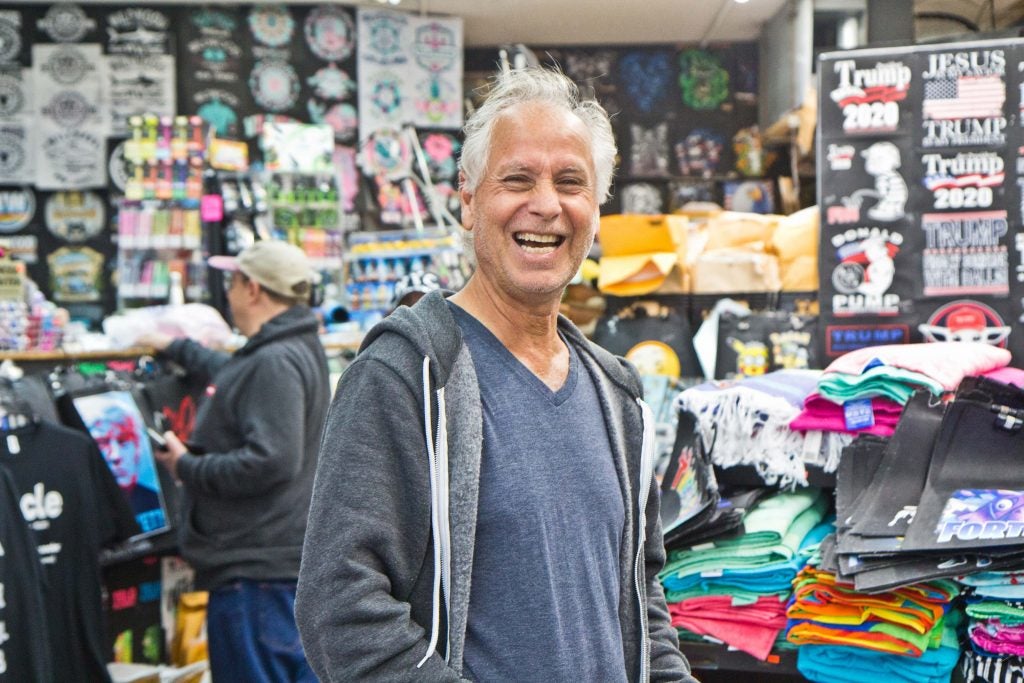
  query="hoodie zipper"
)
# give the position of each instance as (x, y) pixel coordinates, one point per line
(646, 471)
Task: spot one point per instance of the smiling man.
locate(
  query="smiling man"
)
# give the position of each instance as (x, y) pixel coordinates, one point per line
(484, 506)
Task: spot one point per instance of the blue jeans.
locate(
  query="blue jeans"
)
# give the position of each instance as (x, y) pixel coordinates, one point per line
(252, 636)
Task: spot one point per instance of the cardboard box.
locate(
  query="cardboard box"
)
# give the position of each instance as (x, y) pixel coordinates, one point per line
(725, 271)
(642, 254)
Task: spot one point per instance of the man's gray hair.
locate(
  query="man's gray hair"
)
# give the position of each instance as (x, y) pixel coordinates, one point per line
(537, 85)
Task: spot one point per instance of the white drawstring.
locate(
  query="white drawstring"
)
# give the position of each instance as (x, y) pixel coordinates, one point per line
(438, 463)
(435, 617)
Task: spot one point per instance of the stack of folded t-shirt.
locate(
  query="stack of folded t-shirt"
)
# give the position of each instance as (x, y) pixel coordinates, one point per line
(735, 590)
(844, 635)
(896, 371)
(863, 392)
(995, 608)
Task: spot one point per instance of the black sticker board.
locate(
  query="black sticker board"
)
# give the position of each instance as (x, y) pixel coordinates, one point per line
(920, 149)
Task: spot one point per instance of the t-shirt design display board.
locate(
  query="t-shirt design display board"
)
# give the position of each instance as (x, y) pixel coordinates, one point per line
(684, 118)
(920, 195)
(410, 71)
(17, 160)
(70, 88)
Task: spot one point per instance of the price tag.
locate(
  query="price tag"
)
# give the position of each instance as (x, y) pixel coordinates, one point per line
(858, 414)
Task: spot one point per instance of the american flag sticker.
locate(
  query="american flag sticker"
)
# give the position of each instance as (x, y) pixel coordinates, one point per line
(961, 97)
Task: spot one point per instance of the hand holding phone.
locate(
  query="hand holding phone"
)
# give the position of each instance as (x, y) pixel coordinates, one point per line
(157, 438)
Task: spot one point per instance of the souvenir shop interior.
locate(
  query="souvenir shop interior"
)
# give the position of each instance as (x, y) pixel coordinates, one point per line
(791, 256)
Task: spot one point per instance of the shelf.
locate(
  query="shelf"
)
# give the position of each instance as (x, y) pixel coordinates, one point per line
(325, 262)
(65, 355)
(682, 178)
(142, 290)
(300, 205)
(713, 657)
(169, 242)
(397, 253)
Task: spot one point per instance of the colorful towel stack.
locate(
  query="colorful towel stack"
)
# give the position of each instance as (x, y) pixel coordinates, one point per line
(735, 590)
(907, 633)
(995, 607)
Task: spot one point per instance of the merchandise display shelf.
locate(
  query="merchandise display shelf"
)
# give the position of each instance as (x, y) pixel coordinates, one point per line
(714, 657)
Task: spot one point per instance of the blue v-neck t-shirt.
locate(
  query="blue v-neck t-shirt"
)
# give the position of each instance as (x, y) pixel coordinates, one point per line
(545, 584)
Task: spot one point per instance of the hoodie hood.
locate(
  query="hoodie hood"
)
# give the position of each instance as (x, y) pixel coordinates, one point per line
(427, 326)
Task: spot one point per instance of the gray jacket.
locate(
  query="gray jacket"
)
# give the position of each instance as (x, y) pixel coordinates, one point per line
(258, 431)
(385, 581)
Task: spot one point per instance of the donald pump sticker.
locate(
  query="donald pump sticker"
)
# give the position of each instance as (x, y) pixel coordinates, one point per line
(865, 272)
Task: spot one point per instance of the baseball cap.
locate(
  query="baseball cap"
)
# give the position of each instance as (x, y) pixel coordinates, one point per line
(278, 266)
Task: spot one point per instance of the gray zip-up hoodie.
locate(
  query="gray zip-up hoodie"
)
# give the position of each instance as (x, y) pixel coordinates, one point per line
(259, 426)
(385, 580)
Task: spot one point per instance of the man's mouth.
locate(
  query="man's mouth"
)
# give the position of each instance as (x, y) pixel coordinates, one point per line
(536, 243)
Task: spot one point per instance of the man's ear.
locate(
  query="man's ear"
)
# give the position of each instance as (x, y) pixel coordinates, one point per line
(252, 289)
(466, 200)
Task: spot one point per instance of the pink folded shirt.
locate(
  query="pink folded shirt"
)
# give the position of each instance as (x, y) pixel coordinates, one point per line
(1007, 375)
(998, 639)
(750, 628)
(945, 362)
(821, 414)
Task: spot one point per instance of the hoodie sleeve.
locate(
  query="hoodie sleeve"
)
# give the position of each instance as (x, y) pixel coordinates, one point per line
(196, 358)
(667, 661)
(368, 538)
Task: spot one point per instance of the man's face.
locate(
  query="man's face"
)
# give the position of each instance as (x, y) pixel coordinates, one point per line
(535, 211)
(237, 296)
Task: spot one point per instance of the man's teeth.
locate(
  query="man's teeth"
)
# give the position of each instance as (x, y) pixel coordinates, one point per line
(536, 243)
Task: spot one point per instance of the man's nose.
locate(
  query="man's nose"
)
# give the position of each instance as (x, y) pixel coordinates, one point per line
(546, 200)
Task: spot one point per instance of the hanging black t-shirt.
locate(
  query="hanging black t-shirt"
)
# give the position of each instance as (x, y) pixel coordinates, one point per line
(71, 500)
(24, 640)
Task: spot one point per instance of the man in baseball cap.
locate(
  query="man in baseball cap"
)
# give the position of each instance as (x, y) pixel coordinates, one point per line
(247, 471)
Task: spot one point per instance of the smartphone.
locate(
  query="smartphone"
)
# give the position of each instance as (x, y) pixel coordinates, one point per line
(157, 438)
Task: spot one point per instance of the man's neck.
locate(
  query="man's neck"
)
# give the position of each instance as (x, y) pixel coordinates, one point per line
(263, 314)
(530, 333)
